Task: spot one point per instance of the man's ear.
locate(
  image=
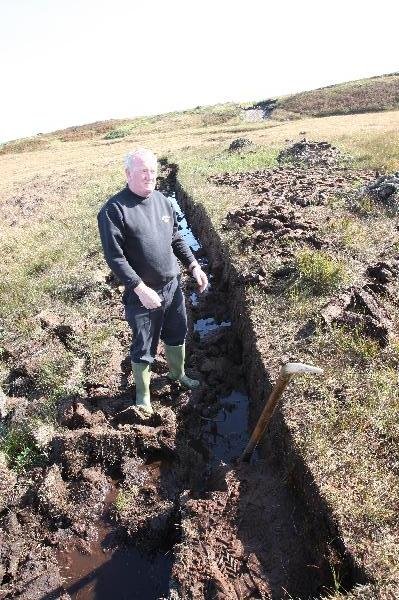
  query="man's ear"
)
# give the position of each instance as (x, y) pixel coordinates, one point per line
(127, 172)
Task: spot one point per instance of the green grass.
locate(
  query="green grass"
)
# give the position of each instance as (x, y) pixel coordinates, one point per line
(53, 265)
(53, 374)
(120, 132)
(349, 232)
(20, 448)
(355, 345)
(318, 272)
(39, 265)
(197, 165)
(124, 498)
(121, 501)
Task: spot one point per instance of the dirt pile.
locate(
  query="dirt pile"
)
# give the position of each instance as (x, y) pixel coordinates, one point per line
(291, 211)
(384, 189)
(267, 224)
(239, 144)
(293, 184)
(310, 153)
(362, 310)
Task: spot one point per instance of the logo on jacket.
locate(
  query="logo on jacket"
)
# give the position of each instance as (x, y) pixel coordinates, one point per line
(166, 218)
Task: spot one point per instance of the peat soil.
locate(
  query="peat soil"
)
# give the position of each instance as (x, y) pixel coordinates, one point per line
(302, 205)
(158, 507)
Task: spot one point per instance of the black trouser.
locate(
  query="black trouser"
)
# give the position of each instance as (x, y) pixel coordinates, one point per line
(168, 322)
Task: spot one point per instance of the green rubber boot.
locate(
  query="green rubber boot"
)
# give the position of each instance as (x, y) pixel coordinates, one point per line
(175, 356)
(142, 376)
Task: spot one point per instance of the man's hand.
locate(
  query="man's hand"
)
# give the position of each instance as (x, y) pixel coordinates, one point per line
(199, 276)
(148, 297)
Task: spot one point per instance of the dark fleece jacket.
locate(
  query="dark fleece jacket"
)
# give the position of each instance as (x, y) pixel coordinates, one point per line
(140, 239)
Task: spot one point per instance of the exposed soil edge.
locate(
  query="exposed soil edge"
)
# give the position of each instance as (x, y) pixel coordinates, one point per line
(278, 442)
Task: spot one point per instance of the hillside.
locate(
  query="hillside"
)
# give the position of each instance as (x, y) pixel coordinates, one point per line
(364, 95)
(304, 258)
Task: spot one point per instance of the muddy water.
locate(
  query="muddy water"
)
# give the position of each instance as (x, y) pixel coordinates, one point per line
(109, 568)
(226, 434)
(204, 326)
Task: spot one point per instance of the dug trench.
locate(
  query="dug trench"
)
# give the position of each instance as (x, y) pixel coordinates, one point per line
(160, 507)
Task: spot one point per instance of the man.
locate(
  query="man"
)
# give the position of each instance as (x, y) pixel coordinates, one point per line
(140, 239)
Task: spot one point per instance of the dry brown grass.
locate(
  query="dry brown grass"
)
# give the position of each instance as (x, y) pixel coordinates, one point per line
(24, 145)
(88, 131)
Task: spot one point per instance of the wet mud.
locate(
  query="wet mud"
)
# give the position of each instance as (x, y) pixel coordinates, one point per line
(107, 566)
(160, 507)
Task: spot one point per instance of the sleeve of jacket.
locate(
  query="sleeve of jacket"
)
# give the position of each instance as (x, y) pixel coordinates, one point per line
(112, 234)
(180, 248)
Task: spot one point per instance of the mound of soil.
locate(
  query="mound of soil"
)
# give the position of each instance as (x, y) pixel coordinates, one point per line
(293, 184)
(270, 223)
(363, 310)
(239, 144)
(384, 189)
(278, 214)
(310, 153)
(289, 209)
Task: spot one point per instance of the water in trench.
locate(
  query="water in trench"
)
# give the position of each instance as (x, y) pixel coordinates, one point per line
(111, 568)
(225, 435)
(185, 231)
(204, 326)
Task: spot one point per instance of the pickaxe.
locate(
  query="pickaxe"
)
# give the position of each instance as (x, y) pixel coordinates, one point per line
(287, 372)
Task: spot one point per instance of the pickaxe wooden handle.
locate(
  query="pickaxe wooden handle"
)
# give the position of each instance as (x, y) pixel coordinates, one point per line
(287, 372)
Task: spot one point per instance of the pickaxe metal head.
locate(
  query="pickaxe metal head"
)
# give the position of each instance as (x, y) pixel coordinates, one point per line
(294, 368)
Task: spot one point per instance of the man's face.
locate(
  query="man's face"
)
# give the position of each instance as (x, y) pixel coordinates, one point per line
(142, 175)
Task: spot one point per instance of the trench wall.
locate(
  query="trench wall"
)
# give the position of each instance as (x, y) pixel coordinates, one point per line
(278, 445)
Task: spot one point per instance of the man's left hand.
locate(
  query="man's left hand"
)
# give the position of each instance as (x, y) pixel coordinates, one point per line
(200, 277)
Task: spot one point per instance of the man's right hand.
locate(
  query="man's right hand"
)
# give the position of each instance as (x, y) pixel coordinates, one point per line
(148, 297)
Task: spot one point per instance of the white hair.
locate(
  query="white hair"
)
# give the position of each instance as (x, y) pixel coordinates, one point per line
(139, 153)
